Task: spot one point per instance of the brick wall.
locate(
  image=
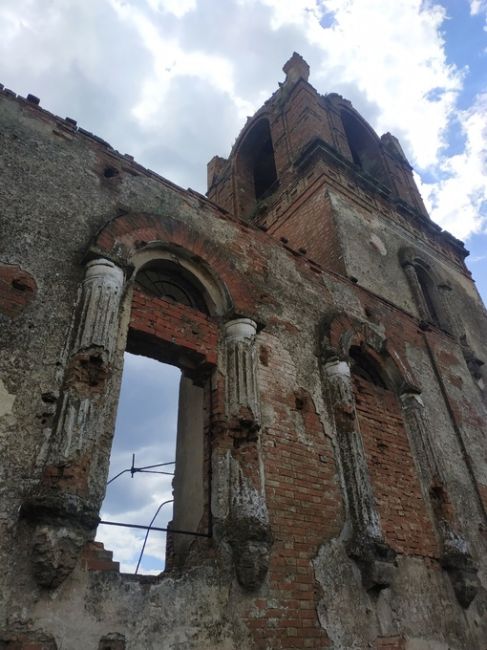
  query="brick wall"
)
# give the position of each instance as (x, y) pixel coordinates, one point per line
(17, 289)
(405, 519)
(179, 326)
(307, 225)
(304, 503)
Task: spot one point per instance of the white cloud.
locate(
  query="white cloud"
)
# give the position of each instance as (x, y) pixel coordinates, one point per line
(458, 199)
(177, 7)
(479, 7)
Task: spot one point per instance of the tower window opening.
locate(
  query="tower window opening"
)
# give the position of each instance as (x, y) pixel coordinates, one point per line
(264, 168)
(364, 148)
(256, 166)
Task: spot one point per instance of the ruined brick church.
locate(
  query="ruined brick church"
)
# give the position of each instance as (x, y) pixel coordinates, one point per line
(331, 452)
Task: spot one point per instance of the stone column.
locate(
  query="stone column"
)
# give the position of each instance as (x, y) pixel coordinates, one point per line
(99, 304)
(64, 509)
(244, 521)
(242, 396)
(414, 419)
(455, 559)
(359, 489)
(366, 545)
(90, 364)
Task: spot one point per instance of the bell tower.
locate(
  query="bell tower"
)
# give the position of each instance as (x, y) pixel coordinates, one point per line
(300, 157)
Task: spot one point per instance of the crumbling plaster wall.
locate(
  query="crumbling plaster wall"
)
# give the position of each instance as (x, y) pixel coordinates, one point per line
(54, 199)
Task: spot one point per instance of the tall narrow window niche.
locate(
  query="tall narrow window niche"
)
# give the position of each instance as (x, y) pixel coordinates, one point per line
(364, 147)
(256, 168)
(163, 417)
(430, 295)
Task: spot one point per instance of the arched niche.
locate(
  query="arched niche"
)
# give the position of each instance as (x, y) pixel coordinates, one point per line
(256, 173)
(364, 146)
(429, 291)
(350, 340)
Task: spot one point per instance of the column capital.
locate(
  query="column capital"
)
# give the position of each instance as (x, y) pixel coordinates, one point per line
(103, 269)
(240, 329)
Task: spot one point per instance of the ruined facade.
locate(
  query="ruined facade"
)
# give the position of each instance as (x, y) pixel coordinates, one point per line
(332, 449)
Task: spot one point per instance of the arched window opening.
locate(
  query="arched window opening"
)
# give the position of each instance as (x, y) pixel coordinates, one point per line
(256, 167)
(163, 417)
(364, 367)
(165, 279)
(364, 148)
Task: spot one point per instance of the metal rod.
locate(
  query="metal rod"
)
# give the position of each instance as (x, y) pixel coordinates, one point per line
(171, 530)
(119, 474)
(172, 462)
(148, 531)
(154, 471)
(133, 470)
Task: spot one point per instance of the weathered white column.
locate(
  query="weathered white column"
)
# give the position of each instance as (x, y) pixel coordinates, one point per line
(361, 501)
(456, 558)
(242, 395)
(64, 509)
(95, 337)
(414, 418)
(244, 521)
(99, 304)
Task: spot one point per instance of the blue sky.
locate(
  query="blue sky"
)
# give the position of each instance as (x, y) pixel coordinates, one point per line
(171, 82)
(146, 424)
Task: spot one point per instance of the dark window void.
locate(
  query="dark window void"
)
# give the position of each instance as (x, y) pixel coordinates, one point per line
(365, 367)
(428, 290)
(364, 148)
(264, 166)
(165, 279)
(256, 167)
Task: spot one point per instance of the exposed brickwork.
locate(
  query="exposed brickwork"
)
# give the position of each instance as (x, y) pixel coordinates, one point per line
(27, 641)
(405, 519)
(96, 558)
(69, 477)
(310, 213)
(483, 493)
(303, 495)
(176, 324)
(123, 236)
(17, 289)
(391, 643)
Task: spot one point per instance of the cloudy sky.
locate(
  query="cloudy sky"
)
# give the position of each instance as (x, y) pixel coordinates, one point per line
(172, 81)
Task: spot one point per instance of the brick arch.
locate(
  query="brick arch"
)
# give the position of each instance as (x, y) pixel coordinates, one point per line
(341, 331)
(124, 238)
(260, 116)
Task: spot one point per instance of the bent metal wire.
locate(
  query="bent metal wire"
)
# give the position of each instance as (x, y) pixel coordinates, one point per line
(149, 469)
